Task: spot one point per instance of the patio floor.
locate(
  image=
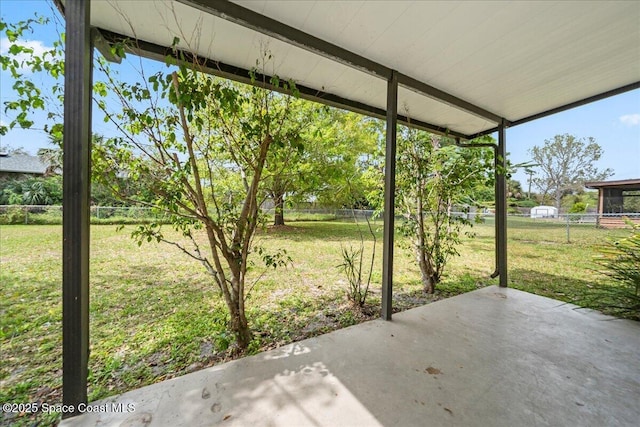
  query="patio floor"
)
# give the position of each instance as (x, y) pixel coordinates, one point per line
(493, 357)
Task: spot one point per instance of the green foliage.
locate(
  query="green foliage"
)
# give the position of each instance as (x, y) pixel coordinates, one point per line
(197, 149)
(191, 146)
(51, 215)
(621, 263)
(326, 163)
(13, 215)
(434, 178)
(578, 207)
(31, 191)
(22, 62)
(353, 268)
(346, 146)
(526, 203)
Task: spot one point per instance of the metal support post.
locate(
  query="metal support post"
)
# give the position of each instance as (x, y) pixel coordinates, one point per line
(75, 217)
(501, 205)
(389, 196)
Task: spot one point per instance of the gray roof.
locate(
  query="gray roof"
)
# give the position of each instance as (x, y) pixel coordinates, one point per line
(21, 163)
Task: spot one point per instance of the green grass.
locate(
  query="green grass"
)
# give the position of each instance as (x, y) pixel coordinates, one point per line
(155, 314)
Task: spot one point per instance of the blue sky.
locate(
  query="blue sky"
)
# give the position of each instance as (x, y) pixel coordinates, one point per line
(613, 122)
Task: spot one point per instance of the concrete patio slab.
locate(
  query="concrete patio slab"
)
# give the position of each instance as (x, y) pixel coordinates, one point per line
(493, 357)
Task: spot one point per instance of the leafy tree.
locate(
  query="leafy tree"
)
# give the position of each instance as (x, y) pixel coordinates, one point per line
(350, 143)
(200, 146)
(287, 169)
(23, 64)
(433, 175)
(197, 144)
(325, 164)
(565, 163)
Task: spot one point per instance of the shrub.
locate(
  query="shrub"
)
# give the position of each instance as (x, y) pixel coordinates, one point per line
(13, 215)
(578, 207)
(621, 262)
(353, 267)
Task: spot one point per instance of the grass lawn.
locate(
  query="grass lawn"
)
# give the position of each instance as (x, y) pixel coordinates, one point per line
(155, 314)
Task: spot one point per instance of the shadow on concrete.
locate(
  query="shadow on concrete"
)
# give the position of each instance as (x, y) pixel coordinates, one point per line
(498, 357)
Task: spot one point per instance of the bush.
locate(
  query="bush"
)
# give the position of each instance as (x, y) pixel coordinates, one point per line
(621, 262)
(528, 203)
(13, 215)
(578, 207)
(31, 191)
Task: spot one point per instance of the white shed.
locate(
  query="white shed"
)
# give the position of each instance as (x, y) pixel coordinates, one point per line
(544, 212)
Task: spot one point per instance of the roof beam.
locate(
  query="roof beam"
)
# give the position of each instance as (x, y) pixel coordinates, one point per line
(248, 18)
(432, 92)
(220, 69)
(579, 103)
(575, 104)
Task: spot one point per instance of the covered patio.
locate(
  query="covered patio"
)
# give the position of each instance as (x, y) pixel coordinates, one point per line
(493, 357)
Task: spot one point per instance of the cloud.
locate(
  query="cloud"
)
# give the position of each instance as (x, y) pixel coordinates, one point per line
(37, 46)
(630, 119)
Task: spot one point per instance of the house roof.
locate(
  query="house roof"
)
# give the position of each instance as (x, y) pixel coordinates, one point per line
(462, 67)
(21, 163)
(626, 183)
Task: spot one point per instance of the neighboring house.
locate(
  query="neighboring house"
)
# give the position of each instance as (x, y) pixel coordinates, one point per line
(17, 165)
(616, 200)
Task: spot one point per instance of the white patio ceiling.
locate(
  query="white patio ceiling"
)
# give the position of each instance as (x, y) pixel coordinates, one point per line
(513, 60)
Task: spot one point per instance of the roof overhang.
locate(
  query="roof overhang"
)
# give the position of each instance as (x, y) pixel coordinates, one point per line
(622, 184)
(463, 68)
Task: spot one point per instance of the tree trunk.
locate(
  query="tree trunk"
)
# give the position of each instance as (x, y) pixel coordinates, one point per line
(428, 281)
(240, 328)
(428, 274)
(558, 200)
(426, 268)
(279, 205)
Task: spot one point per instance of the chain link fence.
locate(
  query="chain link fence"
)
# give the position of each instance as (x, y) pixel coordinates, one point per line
(34, 214)
(587, 228)
(556, 228)
(37, 214)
